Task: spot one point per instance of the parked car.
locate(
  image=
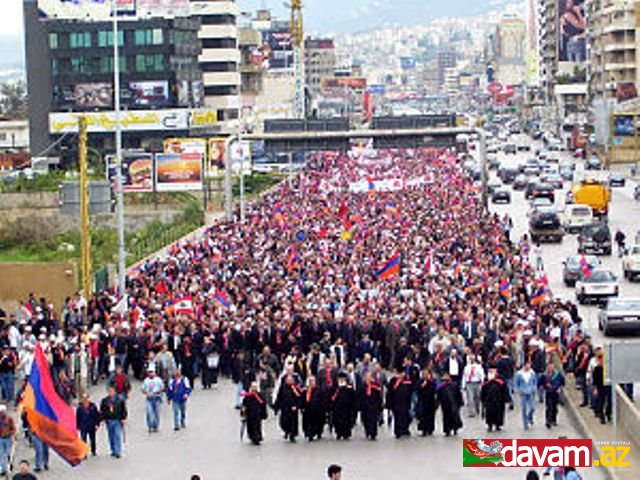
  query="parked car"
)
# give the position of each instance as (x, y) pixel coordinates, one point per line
(520, 182)
(595, 238)
(599, 285)
(576, 216)
(545, 223)
(510, 148)
(501, 195)
(620, 315)
(617, 179)
(594, 163)
(631, 263)
(574, 266)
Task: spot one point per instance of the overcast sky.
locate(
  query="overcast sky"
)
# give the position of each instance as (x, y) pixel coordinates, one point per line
(11, 17)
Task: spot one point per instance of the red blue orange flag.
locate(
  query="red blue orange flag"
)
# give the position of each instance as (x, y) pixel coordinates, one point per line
(540, 295)
(585, 267)
(222, 299)
(391, 268)
(293, 260)
(505, 288)
(50, 417)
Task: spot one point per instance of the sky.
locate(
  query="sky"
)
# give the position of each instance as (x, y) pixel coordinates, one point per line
(11, 18)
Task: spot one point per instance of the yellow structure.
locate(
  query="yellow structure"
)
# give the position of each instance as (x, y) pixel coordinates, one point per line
(85, 225)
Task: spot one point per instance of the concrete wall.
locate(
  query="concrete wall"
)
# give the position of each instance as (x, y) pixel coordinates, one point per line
(54, 281)
(628, 417)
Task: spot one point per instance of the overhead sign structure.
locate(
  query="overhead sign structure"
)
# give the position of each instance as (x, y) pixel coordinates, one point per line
(178, 172)
(133, 120)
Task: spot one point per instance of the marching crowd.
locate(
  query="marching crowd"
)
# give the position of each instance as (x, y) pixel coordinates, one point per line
(371, 282)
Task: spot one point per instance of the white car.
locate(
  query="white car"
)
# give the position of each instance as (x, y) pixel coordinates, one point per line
(631, 263)
(575, 216)
(599, 285)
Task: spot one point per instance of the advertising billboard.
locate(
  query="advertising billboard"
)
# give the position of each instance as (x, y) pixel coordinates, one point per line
(101, 9)
(137, 171)
(131, 121)
(572, 31)
(149, 94)
(278, 49)
(352, 83)
(623, 125)
(217, 154)
(186, 145)
(93, 95)
(163, 8)
(177, 172)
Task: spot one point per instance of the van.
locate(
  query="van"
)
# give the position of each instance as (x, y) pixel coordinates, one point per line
(575, 216)
(594, 194)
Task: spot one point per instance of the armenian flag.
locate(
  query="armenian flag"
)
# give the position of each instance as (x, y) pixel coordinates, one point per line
(50, 417)
(391, 268)
(505, 288)
(540, 294)
(293, 260)
(371, 186)
(585, 267)
(391, 208)
(223, 300)
(457, 269)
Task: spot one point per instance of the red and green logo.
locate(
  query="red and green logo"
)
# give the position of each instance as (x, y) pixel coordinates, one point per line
(476, 453)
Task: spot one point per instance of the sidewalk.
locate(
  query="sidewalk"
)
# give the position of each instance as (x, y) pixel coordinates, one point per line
(590, 427)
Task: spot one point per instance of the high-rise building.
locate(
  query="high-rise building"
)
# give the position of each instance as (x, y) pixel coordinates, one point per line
(70, 73)
(447, 58)
(319, 63)
(511, 63)
(613, 68)
(220, 58)
(547, 44)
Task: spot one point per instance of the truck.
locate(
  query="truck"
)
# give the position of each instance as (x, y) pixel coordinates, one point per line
(594, 194)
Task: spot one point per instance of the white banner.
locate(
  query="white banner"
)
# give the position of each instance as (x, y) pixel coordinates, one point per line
(389, 185)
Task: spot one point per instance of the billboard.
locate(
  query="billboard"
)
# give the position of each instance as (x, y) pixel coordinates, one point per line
(186, 145)
(217, 154)
(149, 94)
(623, 125)
(176, 172)
(93, 95)
(137, 171)
(353, 83)
(101, 9)
(572, 31)
(163, 8)
(131, 121)
(278, 49)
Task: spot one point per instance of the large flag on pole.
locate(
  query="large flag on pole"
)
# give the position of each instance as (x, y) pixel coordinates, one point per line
(50, 417)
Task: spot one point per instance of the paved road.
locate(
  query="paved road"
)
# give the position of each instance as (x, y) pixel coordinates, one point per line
(210, 446)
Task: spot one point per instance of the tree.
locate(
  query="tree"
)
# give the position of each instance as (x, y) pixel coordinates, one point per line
(13, 100)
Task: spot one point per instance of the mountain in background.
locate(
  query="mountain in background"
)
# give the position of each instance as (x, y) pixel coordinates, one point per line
(349, 16)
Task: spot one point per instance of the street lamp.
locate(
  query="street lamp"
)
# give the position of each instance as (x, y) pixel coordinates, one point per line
(122, 253)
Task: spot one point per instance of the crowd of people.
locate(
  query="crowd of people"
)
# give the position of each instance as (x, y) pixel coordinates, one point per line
(373, 281)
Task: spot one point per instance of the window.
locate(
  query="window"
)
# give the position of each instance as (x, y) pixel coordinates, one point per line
(55, 69)
(79, 65)
(53, 41)
(106, 64)
(149, 37)
(80, 40)
(218, 20)
(150, 63)
(218, 43)
(105, 38)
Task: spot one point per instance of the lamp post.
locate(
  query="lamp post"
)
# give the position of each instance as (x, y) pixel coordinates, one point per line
(122, 253)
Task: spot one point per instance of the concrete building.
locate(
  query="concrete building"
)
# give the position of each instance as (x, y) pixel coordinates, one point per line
(220, 58)
(319, 63)
(613, 70)
(70, 73)
(547, 45)
(511, 60)
(14, 135)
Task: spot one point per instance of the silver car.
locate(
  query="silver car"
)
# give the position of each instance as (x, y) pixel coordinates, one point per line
(620, 315)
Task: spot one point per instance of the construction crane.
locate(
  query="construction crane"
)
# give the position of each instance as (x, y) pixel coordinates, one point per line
(297, 41)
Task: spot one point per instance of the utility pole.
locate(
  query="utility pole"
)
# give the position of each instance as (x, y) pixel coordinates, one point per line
(228, 187)
(85, 226)
(122, 251)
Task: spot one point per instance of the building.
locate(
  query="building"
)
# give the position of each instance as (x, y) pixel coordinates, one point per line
(547, 45)
(511, 61)
(220, 58)
(319, 63)
(70, 74)
(14, 135)
(447, 58)
(613, 70)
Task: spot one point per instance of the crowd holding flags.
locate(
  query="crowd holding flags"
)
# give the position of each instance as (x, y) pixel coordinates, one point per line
(391, 268)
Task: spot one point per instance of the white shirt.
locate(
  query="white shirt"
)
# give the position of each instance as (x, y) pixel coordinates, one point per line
(454, 367)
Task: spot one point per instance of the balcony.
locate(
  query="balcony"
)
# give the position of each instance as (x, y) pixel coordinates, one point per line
(218, 31)
(612, 67)
(219, 79)
(619, 46)
(620, 26)
(220, 55)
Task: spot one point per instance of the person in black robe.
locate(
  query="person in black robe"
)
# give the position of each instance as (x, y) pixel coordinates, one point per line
(370, 405)
(254, 411)
(288, 401)
(494, 395)
(427, 404)
(343, 408)
(450, 400)
(314, 411)
(399, 394)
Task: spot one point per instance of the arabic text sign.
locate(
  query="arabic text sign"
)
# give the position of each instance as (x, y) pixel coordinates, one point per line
(101, 122)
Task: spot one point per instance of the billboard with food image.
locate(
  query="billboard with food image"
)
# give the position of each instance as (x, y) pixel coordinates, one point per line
(177, 172)
(137, 171)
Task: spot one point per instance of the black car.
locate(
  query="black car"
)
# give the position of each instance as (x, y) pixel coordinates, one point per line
(510, 148)
(501, 195)
(575, 265)
(594, 163)
(595, 238)
(507, 174)
(492, 162)
(524, 147)
(545, 223)
(617, 180)
(543, 190)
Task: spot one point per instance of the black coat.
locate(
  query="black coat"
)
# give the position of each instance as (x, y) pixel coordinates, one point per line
(314, 413)
(288, 401)
(450, 400)
(370, 406)
(254, 409)
(399, 402)
(427, 406)
(343, 410)
(494, 394)
(87, 419)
